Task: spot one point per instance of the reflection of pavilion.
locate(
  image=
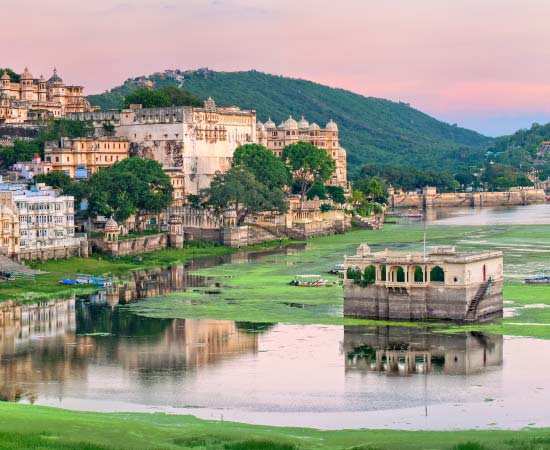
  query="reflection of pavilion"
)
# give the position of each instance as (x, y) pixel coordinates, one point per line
(405, 350)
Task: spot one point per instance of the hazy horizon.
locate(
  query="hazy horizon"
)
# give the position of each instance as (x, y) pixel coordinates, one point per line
(481, 65)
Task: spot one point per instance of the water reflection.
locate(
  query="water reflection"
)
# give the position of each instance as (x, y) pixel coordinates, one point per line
(50, 344)
(410, 350)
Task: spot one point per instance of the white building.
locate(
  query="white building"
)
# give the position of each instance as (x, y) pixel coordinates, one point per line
(196, 141)
(45, 220)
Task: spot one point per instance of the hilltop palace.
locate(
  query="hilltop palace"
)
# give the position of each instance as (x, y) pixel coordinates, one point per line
(275, 138)
(36, 98)
(198, 142)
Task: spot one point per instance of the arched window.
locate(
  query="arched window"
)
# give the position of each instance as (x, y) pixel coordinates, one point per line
(418, 274)
(400, 275)
(354, 273)
(437, 274)
(369, 275)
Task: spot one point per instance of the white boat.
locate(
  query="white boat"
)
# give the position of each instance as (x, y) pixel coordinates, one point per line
(308, 280)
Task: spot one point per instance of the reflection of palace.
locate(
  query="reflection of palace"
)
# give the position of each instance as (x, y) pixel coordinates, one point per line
(35, 346)
(151, 283)
(405, 350)
(46, 345)
(20, 324)
(185, 344)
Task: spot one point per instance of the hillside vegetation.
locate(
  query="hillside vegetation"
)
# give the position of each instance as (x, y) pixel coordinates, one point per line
(373, 130)
(520, 149)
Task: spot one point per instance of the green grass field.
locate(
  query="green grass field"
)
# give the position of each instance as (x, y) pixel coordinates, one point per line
(24, 427)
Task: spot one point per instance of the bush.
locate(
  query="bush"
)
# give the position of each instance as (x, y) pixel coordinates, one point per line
(353, 274)
(469, 446)
(252, 444)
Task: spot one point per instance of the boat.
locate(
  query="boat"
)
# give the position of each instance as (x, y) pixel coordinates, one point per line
(92, 279)
(538, 280)
(88, 279)
(308, 281)
(338, 269)
(409, 213)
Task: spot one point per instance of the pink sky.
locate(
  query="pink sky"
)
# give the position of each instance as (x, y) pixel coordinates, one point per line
(481, 63)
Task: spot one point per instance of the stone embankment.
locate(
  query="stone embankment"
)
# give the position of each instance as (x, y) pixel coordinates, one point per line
(468, 199)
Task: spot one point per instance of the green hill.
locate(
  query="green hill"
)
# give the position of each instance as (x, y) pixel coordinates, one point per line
(373, 130)
(521, 149)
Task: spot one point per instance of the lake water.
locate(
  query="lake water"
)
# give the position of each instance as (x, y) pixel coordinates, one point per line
(514, 215)
(94, 353)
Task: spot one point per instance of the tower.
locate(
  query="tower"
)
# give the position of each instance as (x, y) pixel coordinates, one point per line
(26, 85)
(175, 235)
(112, 233)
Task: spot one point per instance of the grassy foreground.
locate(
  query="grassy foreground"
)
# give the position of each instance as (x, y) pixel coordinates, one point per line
(40, 428)
(259, 291)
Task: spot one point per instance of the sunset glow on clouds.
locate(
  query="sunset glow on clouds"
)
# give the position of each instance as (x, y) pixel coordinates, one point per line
(483, 64)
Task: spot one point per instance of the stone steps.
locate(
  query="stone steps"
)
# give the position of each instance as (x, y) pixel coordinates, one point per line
(9, 265)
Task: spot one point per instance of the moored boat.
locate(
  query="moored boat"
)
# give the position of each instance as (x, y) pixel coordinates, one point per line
(538, 280)
(308, 281)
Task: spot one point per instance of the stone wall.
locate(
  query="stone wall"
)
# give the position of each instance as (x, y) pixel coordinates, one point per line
(236, 236)
(133, 246)
(53, 252)
(469, 199)
(436, 301)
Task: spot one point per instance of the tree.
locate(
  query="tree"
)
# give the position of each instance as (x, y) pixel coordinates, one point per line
(14, 77)
(317, 190)
(356, 198)
(376, 191)
(240, 189)
(52, 131)
(131, 186)
(308, 165)
(161, 98)
(20, 151)
(180, 97)
(336, 193)
(263, 164)
(55, 179)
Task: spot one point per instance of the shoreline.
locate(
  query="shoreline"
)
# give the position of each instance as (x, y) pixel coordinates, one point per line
(46, 285)
(64, 429)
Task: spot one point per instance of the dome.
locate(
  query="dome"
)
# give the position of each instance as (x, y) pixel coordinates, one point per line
(5, 76)
(313, 127)
(303, 124)
(55, 78)
(260, 126)
(42, 79)
(331, 126)
(342, 152)
(269, 124)
(111, 226)
(290, 124)
(281, 125)
(26, 75)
